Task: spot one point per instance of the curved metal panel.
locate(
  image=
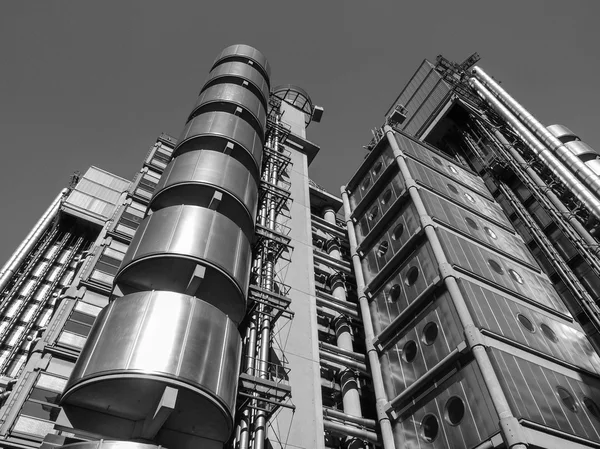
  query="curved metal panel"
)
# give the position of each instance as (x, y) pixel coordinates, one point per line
(237, 73)
(215, 130)
(594, 165)
(579, 148)
(109, 444)
(143, 343)
(192, 178)
(227, 98)
(242, 52)
(562, 133)
(192, 250)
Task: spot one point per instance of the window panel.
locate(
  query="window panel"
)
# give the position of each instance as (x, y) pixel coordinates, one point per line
(88, 309)
(60, 367)
(33, 426)
(71, 339)
(51, 383)
(39, 410)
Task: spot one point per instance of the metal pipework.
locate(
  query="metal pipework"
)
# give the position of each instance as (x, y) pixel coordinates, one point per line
(350, 394)
(11, 266)
(509, 425)
(343, 429)
(588, 189)
(387, 435)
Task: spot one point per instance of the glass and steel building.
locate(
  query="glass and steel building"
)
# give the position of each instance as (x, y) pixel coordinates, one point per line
(221, 299)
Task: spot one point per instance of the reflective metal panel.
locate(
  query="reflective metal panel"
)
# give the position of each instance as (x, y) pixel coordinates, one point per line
(192, 178)
(594, 165)
(241, 52)
(580, 149)
(558, 398)
(173, 246)
(460, 415)
(373, 174)
(413, 351)
(502, 315)
(457, 193)
(414, 276)
(476, 227)
(144, 342)
(562, 133)
(215, 131)
(107, 444)
(229, 98)
(440, 163)
(490, 266)
(238, 73)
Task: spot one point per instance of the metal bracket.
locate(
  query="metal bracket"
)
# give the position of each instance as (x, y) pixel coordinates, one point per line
(474, 337)
(446, 270)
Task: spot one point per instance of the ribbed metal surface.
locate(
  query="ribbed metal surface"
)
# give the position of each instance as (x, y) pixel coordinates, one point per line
(401, 290)
(476, 227)
(479, 421)
(214, 130)
(533, 393)
(172, 242)
(391, 241)
(192, 178)
(502, 272)
(458, 193)
(376, 169)
(229, 98)
(242, 52)
(107, 444)
(431, 94)
(144, 342)
(238, 73)
(499, 313)
(415, 350)
(441, 164)
(562, 133)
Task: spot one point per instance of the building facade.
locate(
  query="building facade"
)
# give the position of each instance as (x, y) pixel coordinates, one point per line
(223, 299)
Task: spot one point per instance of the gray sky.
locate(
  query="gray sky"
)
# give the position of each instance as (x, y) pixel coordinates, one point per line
(93, 83)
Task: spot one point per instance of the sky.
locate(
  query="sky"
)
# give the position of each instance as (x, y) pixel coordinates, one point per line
(93, 83)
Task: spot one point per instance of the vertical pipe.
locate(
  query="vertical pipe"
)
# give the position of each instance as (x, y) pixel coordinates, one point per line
(387, 435)
(348, 381)
(509, 426)
(587, 190)
(9, 268)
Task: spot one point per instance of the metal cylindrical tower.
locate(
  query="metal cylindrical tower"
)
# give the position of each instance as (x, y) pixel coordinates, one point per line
(161, 364)
(589, 156)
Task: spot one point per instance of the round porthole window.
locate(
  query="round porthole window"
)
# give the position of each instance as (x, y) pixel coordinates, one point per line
(430, 428)
(437, 160)
(549, 333)
(516, 276)
(472, 224)
(495, 266)
(377, 168)
(526, 322)
(409, 351)
(430, 333)
(567, 399)
(374, 213)
(452, 169)
(469, 198)
(455, 411)
(398, 231)
(382, 249)
(452, 188)
(366, 183)
(411, 276)
(394, 292)
(491, 234)
(592, 407)
(387, 196)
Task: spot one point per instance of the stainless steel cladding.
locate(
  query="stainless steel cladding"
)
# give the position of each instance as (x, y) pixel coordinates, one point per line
(215, 130)
(229, 97)
(562, 133)
(192, 178)
(238, 72)
(171, 244)
(373, 172)
(143, 343)
(245, 53)
(104, 444)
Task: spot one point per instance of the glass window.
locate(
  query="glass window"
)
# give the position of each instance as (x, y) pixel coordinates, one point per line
(60, 367)
(32, 426)
(38, 410)
(71, 339)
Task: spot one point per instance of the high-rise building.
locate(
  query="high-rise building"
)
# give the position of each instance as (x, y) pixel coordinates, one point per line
(223, 299)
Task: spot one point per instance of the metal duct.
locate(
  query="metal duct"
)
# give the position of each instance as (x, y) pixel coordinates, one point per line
(247, 54)
(589, 193)
(238, 72)
(589, 156)
(541, 151)
(9, 268)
